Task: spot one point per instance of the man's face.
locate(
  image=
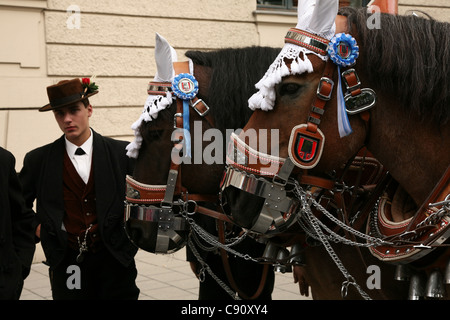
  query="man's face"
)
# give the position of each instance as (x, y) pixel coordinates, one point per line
(74, 122)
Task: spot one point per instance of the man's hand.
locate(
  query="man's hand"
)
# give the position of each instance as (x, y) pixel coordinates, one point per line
(299, 277)
(38, 231)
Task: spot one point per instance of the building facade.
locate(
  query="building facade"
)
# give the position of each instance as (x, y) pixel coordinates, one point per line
(45, 41)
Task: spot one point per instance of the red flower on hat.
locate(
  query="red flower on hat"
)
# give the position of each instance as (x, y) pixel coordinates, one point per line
(88, 86)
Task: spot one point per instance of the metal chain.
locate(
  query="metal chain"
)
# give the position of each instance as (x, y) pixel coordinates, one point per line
(83, 246)
(307, 200)
(349, 278)
(206, 236)
(437, 216)
(206, 267)
(200, 244)
(308, 218)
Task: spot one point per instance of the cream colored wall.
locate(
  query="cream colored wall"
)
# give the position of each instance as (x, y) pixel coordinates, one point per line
(115, 41)
(272, 25)
(438, 9)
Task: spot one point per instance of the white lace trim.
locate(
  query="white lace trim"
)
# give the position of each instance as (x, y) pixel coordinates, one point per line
(153, 105)
(264, 99)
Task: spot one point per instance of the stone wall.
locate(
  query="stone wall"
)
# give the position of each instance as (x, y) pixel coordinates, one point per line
(50, 40)
(45, 41)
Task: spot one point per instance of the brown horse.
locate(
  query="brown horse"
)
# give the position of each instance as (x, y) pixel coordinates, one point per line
(407, 131)
(222, 96)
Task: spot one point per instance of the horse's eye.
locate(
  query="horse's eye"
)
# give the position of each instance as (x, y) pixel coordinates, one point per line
(154, 134)
(290, 89)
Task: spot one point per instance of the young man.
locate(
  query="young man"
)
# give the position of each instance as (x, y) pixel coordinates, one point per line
(79, 184)
(17, 243)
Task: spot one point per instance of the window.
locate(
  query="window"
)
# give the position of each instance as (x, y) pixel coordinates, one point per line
(292, 4)
(277, 4)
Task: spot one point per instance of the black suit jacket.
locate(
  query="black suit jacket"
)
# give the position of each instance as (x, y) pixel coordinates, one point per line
(17, 243)
(42, 179)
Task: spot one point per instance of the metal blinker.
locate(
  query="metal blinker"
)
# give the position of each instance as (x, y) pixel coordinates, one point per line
(282, 255)
(435, 288)
(271, 251)
(447, 273)
(417, 287)
(296, 256)
(402, 272)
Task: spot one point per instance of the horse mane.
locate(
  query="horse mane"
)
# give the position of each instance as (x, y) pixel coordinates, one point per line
(409, 57)
(235, 71)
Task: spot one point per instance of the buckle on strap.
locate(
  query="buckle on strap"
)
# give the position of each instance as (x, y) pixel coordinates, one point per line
(346, 77)
(177, 125)
(325, 88)
(200, 113)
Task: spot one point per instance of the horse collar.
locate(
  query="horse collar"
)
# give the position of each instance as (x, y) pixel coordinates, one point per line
(413, 238)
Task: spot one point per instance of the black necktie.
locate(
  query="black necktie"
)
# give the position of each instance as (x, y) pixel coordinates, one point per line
(80, 152)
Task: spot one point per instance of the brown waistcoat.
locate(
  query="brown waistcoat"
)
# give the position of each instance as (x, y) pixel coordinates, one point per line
(80, 208)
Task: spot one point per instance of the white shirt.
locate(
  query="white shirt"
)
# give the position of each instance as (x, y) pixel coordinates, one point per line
(81, 163)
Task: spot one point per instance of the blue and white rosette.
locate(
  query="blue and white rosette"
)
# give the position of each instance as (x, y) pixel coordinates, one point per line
(185, 87)
(343, 51)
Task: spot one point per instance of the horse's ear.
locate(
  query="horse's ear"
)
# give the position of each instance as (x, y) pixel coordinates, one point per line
(305, 9)
(165, 56)
(323, 18)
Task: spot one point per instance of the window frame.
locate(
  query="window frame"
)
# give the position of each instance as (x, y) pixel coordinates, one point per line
(290, 5)
(287, 6)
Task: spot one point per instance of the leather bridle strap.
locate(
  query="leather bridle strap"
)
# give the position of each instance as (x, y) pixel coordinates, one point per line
(174, 184)
(197, 104)
(324, 93)
(213, 214)
(226, 264)
(440, 191)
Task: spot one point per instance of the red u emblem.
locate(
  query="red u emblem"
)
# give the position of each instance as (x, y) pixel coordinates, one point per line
(306, 148)
(344, 50)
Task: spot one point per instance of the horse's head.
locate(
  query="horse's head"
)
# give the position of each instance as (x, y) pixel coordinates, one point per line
(300, 103)
(180, 137)
(161, 184)
(315, 96)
